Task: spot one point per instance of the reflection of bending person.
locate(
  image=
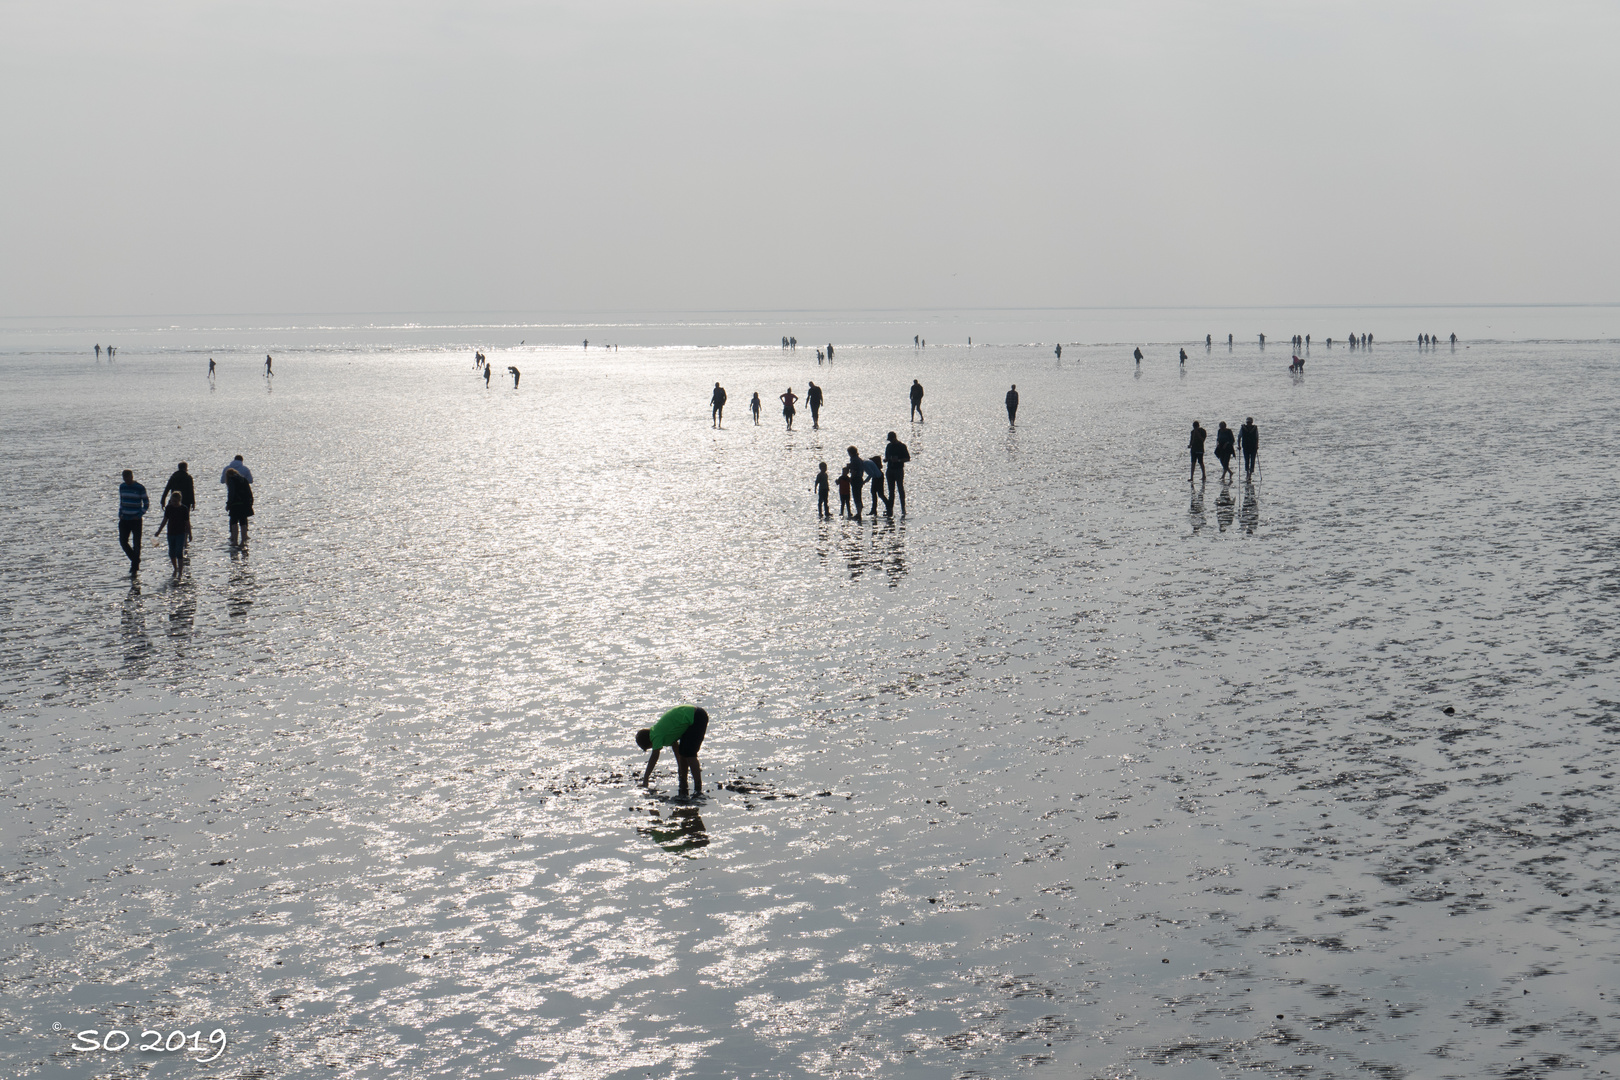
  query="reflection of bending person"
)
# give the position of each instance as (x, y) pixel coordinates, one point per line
(683, 728)
(787, 406)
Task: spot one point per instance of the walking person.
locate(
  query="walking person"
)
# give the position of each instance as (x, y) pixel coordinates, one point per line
(238, 503)
(177, 518)
(267, 369)
(180, 481)
(1183, 357)
(916, 400)
(132, 506)
(1012, 405)
(821, 485)
(487, 369)
(683, 728)
(717, 405)
(1249, 443)
(788, 410)
(1138, 355)
(754, 406)
(1059, 350)
(1195, 447)
(813, 396)
(210, 369)
(895, 456)
(874, 485)
(1224, 449)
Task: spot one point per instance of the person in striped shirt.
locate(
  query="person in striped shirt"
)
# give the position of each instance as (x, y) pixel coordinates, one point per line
(132, 506)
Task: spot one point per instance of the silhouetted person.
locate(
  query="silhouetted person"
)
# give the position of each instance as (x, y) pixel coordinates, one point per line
(1137, 352)
(916, 400)
(874, 482)
(98, 350)
(754, 407)
(1262, 341)
(857, 477)
(487, 369)
(1058, 350)
(1249, 443)
(268, 370)
(916, 343)
(717, 406)
(822, 485)
(1183, 357)
(813, 396)
(210, 367)
(1454, 339)
(1228, 341)
(793, 343)
(132, 506)
(1307, 341)
(683, 728)
(843, 492)
(1209, 340)
(517, 376)
(829, 350)
(788, 410)
(177, 518)
(1195, 447)
(1224, 449)
(238, 505)
(180, 480)
(1012, 404)
(895, 456)
(587, 344)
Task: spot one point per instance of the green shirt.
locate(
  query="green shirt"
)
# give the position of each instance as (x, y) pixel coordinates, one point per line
(672, 725)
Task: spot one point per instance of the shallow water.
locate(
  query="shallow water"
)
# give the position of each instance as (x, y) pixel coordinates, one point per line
(1074, 766)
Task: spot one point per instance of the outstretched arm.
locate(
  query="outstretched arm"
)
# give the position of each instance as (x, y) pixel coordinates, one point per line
(651, 761)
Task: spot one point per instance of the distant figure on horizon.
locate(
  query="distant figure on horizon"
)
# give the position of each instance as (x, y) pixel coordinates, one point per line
(1307, 341)
(180, 481)
(754, 407)
(916, 400)
(1454, 339)
(916, 343)
(132, 506)
(793, 343)
(1224, 449)
(813, 396)
(1012, 404)
(1298, 364)
(1195, 447)
(267, 368)
(177, 517)
(1249, 443)
(787, 406)
(830, 350)
(487, 369)
(1137, 352)
(1183, 357)
(821, 485)
(517, 376)
(895, 456)
(210, 367)
(820, 356)
(1228, 341)
(717, 406)
(1058, 350)
(111, 352)
(98, 350)
(1209, 340)
(1262, 341)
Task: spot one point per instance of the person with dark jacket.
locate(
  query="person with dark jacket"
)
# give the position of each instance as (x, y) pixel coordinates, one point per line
(1012, 404)
(238, 505)
(1195, 448)
(1224, 449)
(177, 517)
(895, 456)
(916, 400)
(1249, 443)
(180, 480)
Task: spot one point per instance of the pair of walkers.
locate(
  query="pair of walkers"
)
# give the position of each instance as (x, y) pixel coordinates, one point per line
(178, 500)
(1227, 445)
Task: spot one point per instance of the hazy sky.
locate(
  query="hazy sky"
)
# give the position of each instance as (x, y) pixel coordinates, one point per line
(220, 157)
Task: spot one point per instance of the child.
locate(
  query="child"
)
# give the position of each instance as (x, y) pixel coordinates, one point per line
(683, 728)
(843, 492)
(821, 485)
(177, 516)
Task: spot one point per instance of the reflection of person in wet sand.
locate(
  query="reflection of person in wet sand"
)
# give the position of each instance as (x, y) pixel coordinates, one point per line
(683, 831)
(683, 728)
(788, 410)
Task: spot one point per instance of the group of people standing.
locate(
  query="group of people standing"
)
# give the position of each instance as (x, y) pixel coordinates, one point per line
(481, 363)
(871, 473)
(1226, 448)
(178, 500)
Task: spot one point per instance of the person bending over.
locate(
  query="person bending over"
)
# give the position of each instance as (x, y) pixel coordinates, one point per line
(683, 728)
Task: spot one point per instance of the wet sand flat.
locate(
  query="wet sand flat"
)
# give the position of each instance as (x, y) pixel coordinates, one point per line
(1076, 767)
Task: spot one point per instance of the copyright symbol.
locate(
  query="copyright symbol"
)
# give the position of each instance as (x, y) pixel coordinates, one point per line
(56, 1027)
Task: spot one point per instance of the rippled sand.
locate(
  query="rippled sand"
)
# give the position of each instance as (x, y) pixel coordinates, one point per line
(1074, 766)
